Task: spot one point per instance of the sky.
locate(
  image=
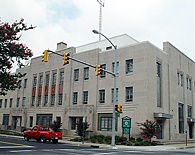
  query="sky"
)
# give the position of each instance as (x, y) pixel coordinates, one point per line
(72, 22)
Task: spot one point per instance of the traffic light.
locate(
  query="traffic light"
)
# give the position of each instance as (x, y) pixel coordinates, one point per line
(118, 108)
(66, 58)
(98, 70)
(45, 56)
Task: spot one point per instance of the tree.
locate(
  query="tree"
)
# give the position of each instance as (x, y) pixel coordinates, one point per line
(80, 125)
(56, 126)
(11, 51)
(149, 129)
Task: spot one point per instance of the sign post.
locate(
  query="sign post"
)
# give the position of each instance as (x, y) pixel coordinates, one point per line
(126, 125)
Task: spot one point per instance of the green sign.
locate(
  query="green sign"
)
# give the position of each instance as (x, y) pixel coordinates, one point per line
(126, 130)
(126, 123)
(117, 114)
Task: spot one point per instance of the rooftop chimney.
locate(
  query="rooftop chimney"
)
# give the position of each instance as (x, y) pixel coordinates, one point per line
(61, 45)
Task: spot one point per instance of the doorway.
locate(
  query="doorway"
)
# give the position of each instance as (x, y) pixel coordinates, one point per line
(191, 134)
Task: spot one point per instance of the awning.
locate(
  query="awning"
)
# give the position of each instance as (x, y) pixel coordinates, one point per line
(163, 115)
(190, 120)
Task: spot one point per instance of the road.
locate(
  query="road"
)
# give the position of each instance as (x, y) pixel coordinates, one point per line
(17, 146)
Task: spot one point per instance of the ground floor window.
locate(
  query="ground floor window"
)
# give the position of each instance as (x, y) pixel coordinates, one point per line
(73, 123)
(44, 119)
(5, 119)
(31, 121)
(105, 122)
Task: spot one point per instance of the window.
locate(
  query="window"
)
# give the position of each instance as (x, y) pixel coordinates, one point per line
(129, 66)
(60, 99)
(189, 83)
(181, 117)
(52, 99)
(5, 105)
(47, 79)
(24, 102)
(189, 111)
(31, 121)
(34, 81)
(76, 74)
(103, 73)
(10, 102)
(180, 78)
(45, 100)
(105, 122)
(75, 97)
(5, 119)
(102, 96)
(116, 95)
(39, 101)
(86, 73)
(129, 94)
(117, 66)
(18, 102)
(25, 83)
(159, 85)
(73, 123)
(85, 97)
(54, 78)
(61, 77)
(1, 103)
(33, 101)
(19, 84)
(41, 80)
(44, 119)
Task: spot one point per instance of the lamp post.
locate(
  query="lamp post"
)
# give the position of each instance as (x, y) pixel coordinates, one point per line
(114, 98)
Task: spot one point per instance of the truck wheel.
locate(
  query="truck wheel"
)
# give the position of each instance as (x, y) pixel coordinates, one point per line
(26, 138)
(55, 141)
(43, 139)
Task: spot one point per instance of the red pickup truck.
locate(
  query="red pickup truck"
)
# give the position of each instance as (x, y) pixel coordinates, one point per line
(42, 133)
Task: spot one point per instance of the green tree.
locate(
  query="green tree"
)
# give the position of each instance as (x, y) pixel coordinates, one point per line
(11, 51)
(80, 126)
(149, 129)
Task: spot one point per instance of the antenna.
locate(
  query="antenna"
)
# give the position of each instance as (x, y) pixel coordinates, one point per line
(100, 17)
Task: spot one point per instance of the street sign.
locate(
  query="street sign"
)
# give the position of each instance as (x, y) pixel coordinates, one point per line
(126, 123)
(126, 130)
(117, 114)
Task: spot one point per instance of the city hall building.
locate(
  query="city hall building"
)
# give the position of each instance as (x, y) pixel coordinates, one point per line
(151, 84)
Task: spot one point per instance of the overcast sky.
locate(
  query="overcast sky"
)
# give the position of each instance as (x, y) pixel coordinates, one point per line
(72, 21)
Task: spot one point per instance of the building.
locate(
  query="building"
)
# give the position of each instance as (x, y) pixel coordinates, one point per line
(152, 84)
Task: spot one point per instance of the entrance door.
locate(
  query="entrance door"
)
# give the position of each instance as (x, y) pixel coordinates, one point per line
(191, 125)
(160, 134)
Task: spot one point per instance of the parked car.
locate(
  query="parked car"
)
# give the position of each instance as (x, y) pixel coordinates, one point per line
(42, 134)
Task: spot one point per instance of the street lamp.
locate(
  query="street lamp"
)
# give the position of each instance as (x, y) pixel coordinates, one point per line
(114, 74)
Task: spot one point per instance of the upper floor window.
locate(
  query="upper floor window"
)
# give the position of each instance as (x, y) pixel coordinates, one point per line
(40, 79)
(45, 100)
(116, 95)
(61, 77)
(76, 74)
(52, 99)
(1, 103)
(129, 66)
(24, 102)
(59, 99)
(33, 101)
(34, 81)
(189, 111)
(5, 105)
(18, 102)
(180, 78)
(102, 96)
(25, 83)
(54, 75)
(117, 66)
(19, 84)
(47, 79)
(86, 73)
(103, 73)
(129, 94)
(85, 97)
(189, 83)
(159, 85)
(75, 97)
(10, 102)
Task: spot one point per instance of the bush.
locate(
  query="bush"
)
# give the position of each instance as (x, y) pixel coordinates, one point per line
(139, 139)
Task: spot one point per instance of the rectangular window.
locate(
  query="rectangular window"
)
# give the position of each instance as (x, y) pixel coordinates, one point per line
(85, 97)
(129, 66)
(103, 73)
(33, 101)
(190, 84)
(75, 97)
(34, 81)
(129, 94)
(54, 75)
(60, 99)
(5, 119)
(52, 99)
(19, 84)
(86, 73)
(116, 95)
(18, 102)
(40, 79)
(1, 103)
(76, 74)
(61, 77)
(117, 67)
(5, 105)
(25, 83)
(10, 102)
(105, 122)
(45, 100)
(73, 123)
(44, 119)
(181, 79)
(47, 79)
(189, 111)
(181, 117)
(31, 121)
(102, 96)
(24, 102)
(39, 101)
(159, 85)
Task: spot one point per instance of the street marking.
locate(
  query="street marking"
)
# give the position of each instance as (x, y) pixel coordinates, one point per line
(12, 143)
(8, 147)
(22, 151)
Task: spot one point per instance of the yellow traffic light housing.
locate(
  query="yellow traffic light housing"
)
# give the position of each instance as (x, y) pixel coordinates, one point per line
(45, 56)
(118, 108)
(66, 58)
(98, 70)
